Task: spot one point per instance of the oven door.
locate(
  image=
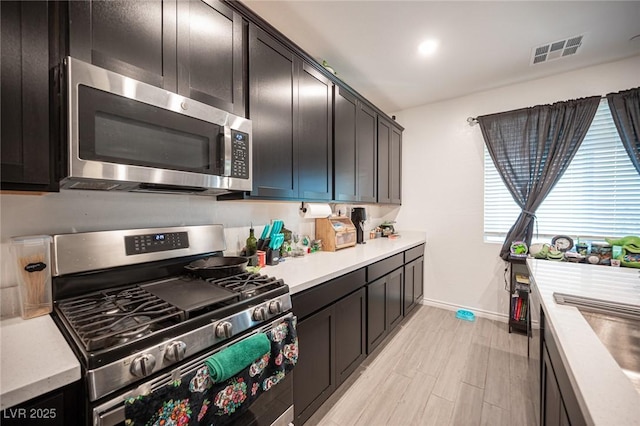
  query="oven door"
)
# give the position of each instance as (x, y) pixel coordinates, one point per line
(122, 130)
(273, 408)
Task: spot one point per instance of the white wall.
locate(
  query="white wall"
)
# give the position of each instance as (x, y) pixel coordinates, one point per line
(83, 211)
(443, 180)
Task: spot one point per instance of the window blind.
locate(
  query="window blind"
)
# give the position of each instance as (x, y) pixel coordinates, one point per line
(597, 197)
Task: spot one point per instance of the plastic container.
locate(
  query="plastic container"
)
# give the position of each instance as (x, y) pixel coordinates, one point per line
(32, 257)
(465, 315)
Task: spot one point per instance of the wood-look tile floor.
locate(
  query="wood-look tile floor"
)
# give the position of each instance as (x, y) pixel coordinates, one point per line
(439, 370)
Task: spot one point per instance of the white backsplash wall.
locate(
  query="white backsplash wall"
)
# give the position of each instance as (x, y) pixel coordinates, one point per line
(443, 180)
(83, 211)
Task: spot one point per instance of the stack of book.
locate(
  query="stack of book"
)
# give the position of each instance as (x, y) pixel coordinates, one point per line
(519, 304)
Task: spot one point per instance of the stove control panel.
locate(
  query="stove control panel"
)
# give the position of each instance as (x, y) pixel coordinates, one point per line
(151, 243)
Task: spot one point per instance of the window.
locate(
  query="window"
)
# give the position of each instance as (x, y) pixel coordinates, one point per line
(597, 197)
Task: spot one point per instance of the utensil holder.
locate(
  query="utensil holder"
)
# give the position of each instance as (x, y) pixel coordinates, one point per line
(32, 257)
(272, 257)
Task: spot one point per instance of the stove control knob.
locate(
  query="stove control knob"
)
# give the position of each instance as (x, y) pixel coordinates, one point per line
(260, 313)
(176, 351)
(224, 330)
(275, 307)
(143, 365)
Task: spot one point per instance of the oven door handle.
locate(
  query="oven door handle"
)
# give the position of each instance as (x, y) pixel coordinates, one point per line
(112, 412)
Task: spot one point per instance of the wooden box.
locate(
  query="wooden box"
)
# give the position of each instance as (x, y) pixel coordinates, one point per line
(335, 233)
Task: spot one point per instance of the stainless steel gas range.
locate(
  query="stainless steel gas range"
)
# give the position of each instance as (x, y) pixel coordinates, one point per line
(137, 320)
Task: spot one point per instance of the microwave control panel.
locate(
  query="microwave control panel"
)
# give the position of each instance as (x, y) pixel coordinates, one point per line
(239, 155)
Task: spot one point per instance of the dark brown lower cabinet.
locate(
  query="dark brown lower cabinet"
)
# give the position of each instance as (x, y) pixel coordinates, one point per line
(314, 375)
(384, 307)
(331, 335)
(350, 341)
(413, 284)
(558, 402)
(341, 321)
(58, 407)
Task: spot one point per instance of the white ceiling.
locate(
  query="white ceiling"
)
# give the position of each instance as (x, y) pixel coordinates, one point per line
(372, 45)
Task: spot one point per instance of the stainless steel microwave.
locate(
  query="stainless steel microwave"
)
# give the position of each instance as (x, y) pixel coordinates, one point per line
(127, 135)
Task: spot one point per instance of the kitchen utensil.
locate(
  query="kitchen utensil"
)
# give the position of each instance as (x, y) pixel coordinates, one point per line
(265, 232)
(218, 266)
(264, 237)
(277, 227)
(276, 241)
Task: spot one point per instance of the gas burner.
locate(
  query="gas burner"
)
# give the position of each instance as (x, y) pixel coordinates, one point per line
(247, 284)
(129, 328)
(104, 320)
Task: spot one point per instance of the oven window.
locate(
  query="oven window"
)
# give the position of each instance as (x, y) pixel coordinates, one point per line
(120, 130)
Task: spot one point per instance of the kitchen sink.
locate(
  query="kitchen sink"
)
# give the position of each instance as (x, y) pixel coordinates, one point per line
(618, 328)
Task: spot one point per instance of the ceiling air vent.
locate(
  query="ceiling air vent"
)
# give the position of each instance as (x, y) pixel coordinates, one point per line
(556, 50)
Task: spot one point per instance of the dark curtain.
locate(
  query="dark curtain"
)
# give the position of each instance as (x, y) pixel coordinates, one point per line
(531, 149)
(625, 109)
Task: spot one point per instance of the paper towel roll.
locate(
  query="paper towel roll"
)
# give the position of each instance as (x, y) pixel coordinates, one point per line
(315, 210)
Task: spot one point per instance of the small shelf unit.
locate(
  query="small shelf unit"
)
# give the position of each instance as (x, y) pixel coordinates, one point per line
(519, 291)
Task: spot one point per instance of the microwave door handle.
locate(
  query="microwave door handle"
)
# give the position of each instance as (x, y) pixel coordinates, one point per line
(227, 151)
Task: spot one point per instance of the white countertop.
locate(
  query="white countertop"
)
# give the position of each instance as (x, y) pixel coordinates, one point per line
(301, 273)
(34, 359)
(605, 394)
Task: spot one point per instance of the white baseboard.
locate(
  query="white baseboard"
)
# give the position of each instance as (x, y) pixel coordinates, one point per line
(478, 312)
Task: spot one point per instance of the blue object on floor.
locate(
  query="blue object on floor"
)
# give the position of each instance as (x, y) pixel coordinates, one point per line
(465, 315)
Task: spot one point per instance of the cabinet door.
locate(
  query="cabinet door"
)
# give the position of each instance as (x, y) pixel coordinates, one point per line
(376, 313)
(314, 375)
(418, 279)
(551, 400)
(395, 166)
(315, 150)
(384, 142)
(367, 163)
(395, 284)
(210, 50)
(350, 340)
(273, 106)
(345, 145)
(409, 285)
(25, 152)
(133, 38)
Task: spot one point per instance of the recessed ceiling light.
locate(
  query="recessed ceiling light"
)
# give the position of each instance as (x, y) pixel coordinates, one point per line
(428, 47)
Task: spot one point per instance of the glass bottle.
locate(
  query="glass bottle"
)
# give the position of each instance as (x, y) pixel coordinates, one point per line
(252, 243)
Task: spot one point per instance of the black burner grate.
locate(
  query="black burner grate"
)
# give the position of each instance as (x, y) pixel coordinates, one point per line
(111, 318)
(248, 284)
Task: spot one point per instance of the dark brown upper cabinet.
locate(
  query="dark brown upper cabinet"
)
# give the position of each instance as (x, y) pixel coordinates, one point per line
(211, 54)
(290, 108)
(389, 162)
(273, 110)
(315, 138)
(194, 48)
(26, 151)
(355, 149)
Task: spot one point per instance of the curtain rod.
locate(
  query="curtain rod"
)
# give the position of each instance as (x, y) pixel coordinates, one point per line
(472, 121)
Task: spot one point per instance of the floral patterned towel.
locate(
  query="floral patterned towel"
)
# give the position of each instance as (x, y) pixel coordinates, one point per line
(195, 399)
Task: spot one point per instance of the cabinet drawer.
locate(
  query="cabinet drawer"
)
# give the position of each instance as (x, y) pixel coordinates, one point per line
(413, 253)
(307, 302)
(385, 266)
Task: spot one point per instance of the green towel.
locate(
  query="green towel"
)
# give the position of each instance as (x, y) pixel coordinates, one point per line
(235, 358)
